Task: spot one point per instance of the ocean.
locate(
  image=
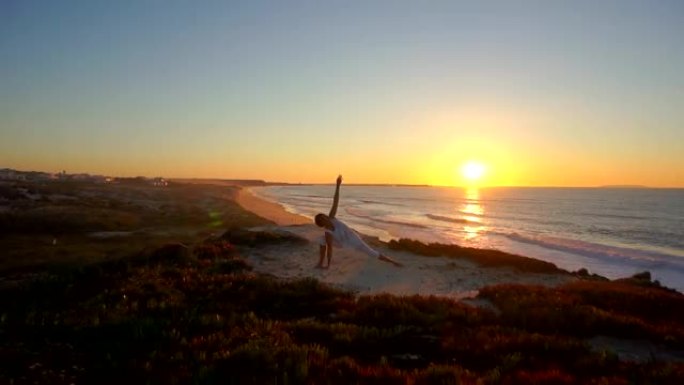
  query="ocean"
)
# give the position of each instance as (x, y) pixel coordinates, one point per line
(614, 232)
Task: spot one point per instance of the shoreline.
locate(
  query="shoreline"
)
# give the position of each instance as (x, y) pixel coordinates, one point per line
(272, 211)
(569, 248)
(356, 272)
(276, 213)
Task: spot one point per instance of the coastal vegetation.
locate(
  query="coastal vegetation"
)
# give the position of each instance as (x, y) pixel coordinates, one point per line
(193, 311)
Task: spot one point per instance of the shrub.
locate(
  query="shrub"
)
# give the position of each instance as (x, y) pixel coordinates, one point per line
(173, 254)
(213, 250)
(483, 257)
(251, 238)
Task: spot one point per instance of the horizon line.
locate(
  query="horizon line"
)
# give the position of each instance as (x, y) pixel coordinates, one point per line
(382, 184)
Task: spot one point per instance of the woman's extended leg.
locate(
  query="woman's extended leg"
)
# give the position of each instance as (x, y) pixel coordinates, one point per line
(390, 260)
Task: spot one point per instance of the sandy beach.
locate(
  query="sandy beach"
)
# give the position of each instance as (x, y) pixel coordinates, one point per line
(269, 210)
(350, 269)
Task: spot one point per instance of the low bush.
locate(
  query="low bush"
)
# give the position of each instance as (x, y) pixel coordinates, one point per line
(483, 257)
(163, 321)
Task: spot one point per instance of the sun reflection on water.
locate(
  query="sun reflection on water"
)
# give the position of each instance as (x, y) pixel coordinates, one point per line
(472, 211)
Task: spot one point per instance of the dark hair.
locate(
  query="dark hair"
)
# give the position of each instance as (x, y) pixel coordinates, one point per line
(319, 219)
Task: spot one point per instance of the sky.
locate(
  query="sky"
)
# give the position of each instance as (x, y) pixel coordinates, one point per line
(541, 93)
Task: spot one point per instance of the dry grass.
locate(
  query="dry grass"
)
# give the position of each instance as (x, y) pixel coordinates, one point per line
(57, 227)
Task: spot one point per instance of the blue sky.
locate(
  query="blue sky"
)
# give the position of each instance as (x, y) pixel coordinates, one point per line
(384, 91)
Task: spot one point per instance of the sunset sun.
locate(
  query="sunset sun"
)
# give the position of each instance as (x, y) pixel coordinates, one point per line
(473, 171)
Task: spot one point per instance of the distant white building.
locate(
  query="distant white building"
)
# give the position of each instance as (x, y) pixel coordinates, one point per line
(159, 182)
(6, 173)
(9, 174)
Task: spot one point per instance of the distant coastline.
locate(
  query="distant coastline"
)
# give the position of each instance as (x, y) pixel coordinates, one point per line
(7, 173)
(625, 186)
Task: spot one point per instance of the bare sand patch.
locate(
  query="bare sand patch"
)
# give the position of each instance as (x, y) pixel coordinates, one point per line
(443, 276)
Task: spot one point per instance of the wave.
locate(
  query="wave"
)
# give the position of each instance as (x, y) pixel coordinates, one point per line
(401, 223)
(380, 203)
(646, 259)
(613, 216)
(662, 238)
(464, 212)
(312, 196)
(361, 214)
(449, 219)
(301, 198)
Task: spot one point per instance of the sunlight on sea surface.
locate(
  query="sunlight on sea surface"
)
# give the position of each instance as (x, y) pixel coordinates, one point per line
(473, 210)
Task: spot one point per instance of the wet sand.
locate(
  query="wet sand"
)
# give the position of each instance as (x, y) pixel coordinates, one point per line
(268, 210)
